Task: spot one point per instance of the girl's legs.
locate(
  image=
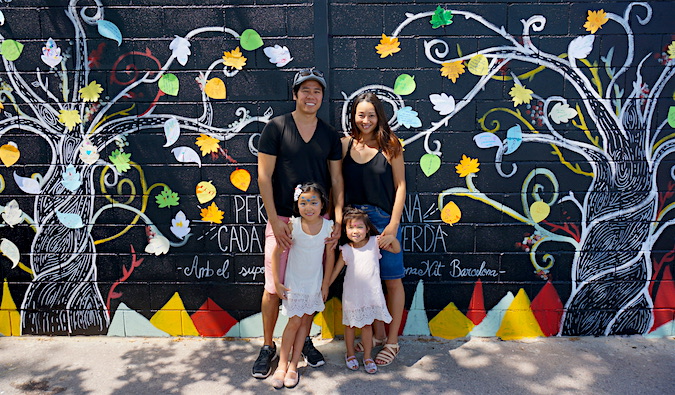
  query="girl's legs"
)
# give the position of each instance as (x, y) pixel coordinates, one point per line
(287, 343)
(291, 378)
(367, 341)
(349, 340)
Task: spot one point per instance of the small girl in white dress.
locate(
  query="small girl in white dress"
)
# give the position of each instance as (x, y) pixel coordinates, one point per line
(305, 286)
(362, 297)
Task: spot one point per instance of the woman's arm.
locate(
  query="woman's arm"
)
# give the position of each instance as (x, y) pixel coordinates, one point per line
(398, 170)
(337, 269)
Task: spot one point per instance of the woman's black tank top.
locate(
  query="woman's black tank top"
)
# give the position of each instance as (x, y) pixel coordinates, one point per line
(368, 183)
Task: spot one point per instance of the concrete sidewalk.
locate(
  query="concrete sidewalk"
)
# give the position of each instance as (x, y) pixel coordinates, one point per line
(109, 365)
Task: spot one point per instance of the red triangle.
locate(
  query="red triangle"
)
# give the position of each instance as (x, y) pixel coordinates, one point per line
(404, 318)
(212, 321)
(664, 302)
(548, 309)
(476, 311)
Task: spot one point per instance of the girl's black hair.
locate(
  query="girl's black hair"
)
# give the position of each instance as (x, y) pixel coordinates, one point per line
(309, 187)
(350, 213)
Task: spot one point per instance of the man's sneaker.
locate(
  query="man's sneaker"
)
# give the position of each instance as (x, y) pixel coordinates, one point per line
(312, 356)
(262, 366)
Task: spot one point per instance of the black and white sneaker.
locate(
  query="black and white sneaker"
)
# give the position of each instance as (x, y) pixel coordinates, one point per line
(311, 355)
(263, 365)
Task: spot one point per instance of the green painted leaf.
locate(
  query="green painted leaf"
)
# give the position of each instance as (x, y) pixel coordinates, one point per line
(250, 40)
(169, 84)
(671, 116)
(440, 18)
(404, 85)
(430, 164)
(120, 160)
(167, 198)
(11, 49)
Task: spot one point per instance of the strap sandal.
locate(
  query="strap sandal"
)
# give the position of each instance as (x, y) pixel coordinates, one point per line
(387, 355)
(370, 366)
(351, 362)
(278, 379)
(376, 342)
(292, 379)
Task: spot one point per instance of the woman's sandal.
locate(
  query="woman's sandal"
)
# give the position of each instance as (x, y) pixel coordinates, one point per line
(370, 366)
(387, 354)
(290, 382)
(351, 362)
(278, 382)
(376, 342)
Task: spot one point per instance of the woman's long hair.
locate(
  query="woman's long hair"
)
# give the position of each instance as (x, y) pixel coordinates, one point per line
(385, 137)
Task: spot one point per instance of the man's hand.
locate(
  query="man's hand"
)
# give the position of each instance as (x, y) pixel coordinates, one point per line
(282, 233)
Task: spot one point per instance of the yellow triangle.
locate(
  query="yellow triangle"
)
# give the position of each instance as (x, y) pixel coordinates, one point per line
(173, 319)
(330, 319)
(450, 323)
(10, 319)
(519, 321)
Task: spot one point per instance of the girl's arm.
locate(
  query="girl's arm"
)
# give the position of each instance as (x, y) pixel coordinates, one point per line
(398, 170)
(337, 269)
(327, 271)
(276, 258)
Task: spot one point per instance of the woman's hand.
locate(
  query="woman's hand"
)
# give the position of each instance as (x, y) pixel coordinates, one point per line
(281, 290)
(334, 237)
(324, 292)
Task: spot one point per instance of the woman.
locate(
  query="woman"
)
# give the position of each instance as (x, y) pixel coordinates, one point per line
(374, 181)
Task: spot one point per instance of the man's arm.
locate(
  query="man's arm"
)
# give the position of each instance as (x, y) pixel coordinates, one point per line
(282, 233)
(338, 192)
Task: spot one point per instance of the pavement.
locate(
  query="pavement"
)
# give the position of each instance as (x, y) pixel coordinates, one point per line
(426, 365)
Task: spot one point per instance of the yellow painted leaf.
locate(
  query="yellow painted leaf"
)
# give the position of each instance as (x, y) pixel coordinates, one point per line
(387, 46)
(212, 214)
(452, 70)
(9, 154)
(70, 118)
(467, 166)
(478, 65)
(205, 191)
(91, 92)
(215, 88)
(671, 50)
(595, 20)
(539, 211)
(207, 144)
(234, 58)
(241, 179)
(451, 213)
(520, 94)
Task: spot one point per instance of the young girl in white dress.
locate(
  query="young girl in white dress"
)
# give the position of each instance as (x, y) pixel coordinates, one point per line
(305, 287)
(362, 297)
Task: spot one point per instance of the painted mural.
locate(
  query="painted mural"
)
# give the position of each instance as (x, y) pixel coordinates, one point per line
(128, 197)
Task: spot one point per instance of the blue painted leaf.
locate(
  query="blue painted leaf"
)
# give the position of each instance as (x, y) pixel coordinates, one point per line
(487, 140)
(110, 30)
(514, 136)
(69, 220)
(408, 117)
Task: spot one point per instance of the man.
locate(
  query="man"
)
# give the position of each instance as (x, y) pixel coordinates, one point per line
(294, 148)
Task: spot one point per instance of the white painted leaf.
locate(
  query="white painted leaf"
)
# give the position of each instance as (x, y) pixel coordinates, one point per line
(180, 225)
(11, 251)
(28, 185)
(12, 213)
(88, 152)
(487, 140)
(180, 47)
(171, 131)
(186, 155)
(443, 103)
(562, 113)
(580, 47)
(278, 55)
(71, 178)
(408, 117)
(51, 53)
(158, 245)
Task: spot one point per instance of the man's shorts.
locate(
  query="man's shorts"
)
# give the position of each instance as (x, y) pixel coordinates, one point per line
(270, 246)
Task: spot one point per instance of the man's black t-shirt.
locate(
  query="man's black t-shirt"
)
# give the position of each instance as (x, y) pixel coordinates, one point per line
(297, 161)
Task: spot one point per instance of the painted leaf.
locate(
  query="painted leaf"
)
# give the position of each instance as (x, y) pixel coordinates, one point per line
(11, 49)
(180, 48)
(467, 166)
(671, 116)
(2, 18)
(241, 179)
(514, 137)
(440, 18)
(451, 214)
(207, 144)
(478, 65)
(539, 211)
(171, 131)
(12, 214)
(520, 94)
(70, 118)
(671, 50)
(71, 179)
(88, 152)
(487, 140)
(250, 40)
(28, 185)
(11, 251)
(407, 117)
(452, 70)
(120, 160)
(91, 92)
(430, 164)
(180, 225)
(186, 155)
(595, 20)
(158, 245)
(234, 59)
(9, 154)
(215, 88)
(70, 220)
(169, 84)
(167, 198)
(51, 53)
(580, 47)
(109, 30)
(562, 113)
(404, 84)
(387, 46)
(205, 191)
(443, 103)
(278, 55)
(212, 214)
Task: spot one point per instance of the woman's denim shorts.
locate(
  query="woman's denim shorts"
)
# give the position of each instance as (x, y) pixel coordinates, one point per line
(391, 265)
